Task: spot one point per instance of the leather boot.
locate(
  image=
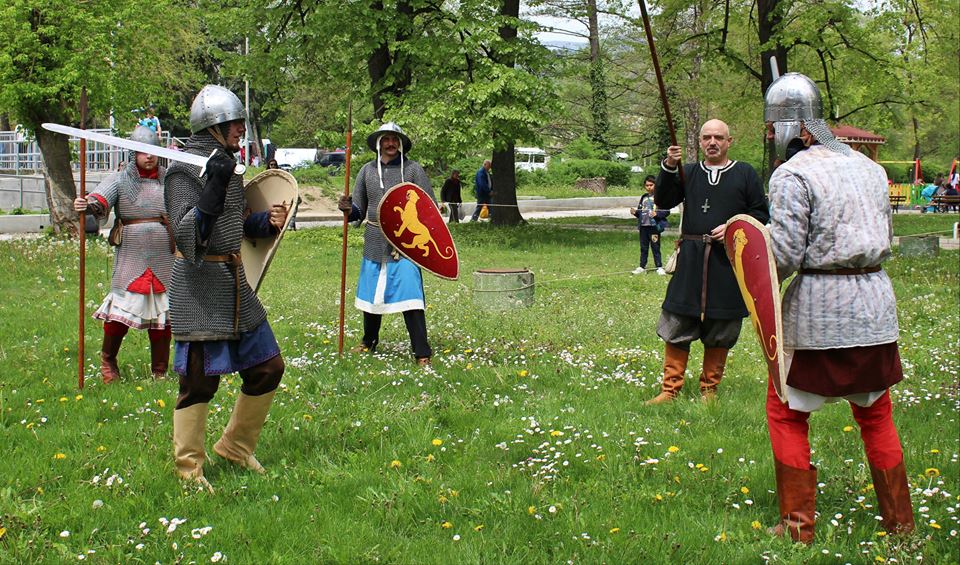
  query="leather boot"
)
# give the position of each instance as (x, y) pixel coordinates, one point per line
(714, 361)
(159, 356)
(893, 497)
(189, 433)
(797, 493)
(108, 357)
(674, 365)
(240, 437)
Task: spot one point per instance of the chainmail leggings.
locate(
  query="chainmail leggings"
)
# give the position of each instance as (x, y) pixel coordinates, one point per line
(196, 388)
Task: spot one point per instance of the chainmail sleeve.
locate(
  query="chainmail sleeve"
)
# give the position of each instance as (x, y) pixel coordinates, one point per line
(109, 190)
(181, 192)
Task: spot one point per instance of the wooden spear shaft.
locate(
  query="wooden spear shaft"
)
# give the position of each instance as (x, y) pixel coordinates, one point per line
(83, 233)
(656, 69)
(346, 217)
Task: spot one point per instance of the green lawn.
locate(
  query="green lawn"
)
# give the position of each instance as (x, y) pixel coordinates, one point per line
(527, 442)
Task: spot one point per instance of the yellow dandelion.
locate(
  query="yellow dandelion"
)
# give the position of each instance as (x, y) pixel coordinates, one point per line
(40, 401)
(39, 490)
(699, 466)
(614, 530)
(430, 458)
(673, 449)
(722, 537)
(446, 525)
(934, 524)
(437, 442)
(3, 532)
(442, 499)
(756, 525)
(478, 527)
(308, 417)
(531, 510)
(29, 425)
(66, 349)
(880, 559)
(454, 493)
(101, 449)
(676, 479)
(469, 365)
(60, 456)
(161, 403)
(468, 351)
(555, 433)
(932, 472)
(848, 428)
(601, 457)
(63, 399)
(658, 497)
(881, 534)
(78, 397)
(744, 490)
(934, 451)
(139, 388)
(396, 464)
(522, 373)
(704, 468)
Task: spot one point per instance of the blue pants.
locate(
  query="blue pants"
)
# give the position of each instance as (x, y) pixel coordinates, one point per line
(649, 238)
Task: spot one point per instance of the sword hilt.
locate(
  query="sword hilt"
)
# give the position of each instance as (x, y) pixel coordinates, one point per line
(239, 169)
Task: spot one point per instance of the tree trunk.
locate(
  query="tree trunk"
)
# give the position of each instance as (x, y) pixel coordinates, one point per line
(505, 211)
(770, 16)
(5, 122)
(598, 87)
(58, 178)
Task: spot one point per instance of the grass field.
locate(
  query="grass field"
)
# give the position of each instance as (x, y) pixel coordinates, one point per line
(526, 442)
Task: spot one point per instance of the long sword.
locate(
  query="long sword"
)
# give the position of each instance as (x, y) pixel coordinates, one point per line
(181, 156)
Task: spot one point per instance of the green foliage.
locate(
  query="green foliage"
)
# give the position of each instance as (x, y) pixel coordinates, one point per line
(569, 170)
(584, 148)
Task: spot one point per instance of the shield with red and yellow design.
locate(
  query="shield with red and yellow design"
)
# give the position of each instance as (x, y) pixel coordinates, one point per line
(747, 242)
(412, 223)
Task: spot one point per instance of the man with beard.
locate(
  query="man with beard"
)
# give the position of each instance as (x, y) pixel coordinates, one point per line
(219, 324)
(703, 300)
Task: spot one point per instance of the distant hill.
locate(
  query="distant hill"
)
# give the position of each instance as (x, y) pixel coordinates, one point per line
(555, 45)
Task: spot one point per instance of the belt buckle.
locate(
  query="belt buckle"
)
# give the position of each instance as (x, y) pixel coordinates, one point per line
(706, 238)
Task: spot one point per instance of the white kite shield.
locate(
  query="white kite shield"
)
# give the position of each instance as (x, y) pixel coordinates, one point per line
(269, 188)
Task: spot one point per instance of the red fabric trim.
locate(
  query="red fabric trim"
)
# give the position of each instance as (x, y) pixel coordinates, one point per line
(101, 200)
(147, 283)
(151, 174)
(849, 370)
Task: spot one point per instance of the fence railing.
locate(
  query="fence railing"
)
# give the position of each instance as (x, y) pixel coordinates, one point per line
(21, 155)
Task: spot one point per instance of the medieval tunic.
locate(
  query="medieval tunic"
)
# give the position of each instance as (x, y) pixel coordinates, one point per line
(205, 304)
(832, 211)
(711, 196)
(388, 283)
(141, 270)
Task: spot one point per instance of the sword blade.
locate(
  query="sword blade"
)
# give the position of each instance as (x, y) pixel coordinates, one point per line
(181, 156)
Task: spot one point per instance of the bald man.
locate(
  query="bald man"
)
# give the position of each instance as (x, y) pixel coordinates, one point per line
(703, 300)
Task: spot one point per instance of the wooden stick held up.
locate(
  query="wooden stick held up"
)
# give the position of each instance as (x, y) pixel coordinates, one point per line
(83, 235)
(656, 69)
(346, 216)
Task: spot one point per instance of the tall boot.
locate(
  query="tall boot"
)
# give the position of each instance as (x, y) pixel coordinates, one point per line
(159, 355)
(893, 497)
(674, 365)
(108, 357)
(714, 361)
(240, 437)
(189, 433)
(797, 493)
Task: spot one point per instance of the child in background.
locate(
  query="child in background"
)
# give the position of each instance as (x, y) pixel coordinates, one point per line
(650, 223)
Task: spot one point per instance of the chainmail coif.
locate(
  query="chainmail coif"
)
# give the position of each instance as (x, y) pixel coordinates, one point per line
(202, 293)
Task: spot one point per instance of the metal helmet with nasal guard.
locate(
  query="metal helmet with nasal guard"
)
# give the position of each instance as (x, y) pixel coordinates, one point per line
(792, 101)
(143, 134)
(214, 105)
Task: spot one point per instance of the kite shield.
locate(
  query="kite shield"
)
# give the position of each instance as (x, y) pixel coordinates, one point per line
(412, 223)
(748, 247)
(270, 187)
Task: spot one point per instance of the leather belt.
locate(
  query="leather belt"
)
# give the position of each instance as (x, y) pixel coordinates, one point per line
(234, 261)
(846, 272)
(163, 220)
(707, 247)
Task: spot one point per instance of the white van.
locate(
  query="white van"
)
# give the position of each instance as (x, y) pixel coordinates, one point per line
(530, 158)
(295, 158)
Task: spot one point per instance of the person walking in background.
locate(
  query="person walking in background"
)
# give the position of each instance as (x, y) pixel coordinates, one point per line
(650, 223)
(703, 298)
(482, 188)
(141, 270)
(151, 121)
(450, 194)
(840, 326)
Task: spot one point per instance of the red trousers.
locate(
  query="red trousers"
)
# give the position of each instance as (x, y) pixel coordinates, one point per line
(790, 441)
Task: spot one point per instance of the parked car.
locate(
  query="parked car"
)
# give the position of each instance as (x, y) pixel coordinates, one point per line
(332, 159)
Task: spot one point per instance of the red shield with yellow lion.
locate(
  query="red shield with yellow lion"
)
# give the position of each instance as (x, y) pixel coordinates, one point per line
(411, 221)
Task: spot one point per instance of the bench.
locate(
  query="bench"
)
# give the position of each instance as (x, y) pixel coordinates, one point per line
(944, 203)
(896, 200)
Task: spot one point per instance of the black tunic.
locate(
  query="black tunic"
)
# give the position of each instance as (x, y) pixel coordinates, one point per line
(733, 189)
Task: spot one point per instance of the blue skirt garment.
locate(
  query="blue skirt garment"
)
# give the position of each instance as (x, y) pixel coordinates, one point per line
(230, 355)
(389, 287)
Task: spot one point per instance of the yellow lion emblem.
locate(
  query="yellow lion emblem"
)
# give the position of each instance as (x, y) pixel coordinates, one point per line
(410, 221)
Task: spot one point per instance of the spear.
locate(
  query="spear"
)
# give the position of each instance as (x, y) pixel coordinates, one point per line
(83, 231)
(656, 69)
(346, 216)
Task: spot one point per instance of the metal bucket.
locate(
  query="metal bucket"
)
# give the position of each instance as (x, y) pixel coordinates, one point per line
(502, 289)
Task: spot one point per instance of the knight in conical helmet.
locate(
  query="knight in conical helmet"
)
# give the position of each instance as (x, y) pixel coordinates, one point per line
(219, 324)
(141, 270)
(830, 222)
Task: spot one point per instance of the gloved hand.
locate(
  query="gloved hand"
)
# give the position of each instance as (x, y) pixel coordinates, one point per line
(219, 172)
(345, 204)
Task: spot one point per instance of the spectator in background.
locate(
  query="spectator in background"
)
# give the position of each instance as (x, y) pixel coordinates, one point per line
(482, 188)
(272, 164)
(450, 193)
(151, 121)
(650, 222)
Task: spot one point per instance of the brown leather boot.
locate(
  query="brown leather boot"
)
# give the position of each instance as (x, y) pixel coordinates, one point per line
(893, 497)
(797, 493)
(674, 365)
(242, 433)
(189, 433)
(159, 356)
(714, 361)
(108, 358)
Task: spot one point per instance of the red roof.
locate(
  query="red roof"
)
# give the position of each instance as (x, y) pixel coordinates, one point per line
(850, 134)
